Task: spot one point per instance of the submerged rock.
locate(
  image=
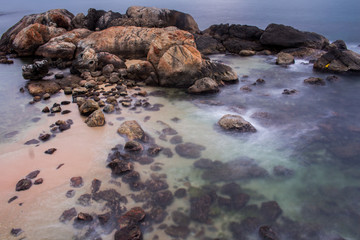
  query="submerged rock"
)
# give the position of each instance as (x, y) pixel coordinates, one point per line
(235, 123)
(76, 182)
(189, 150)
(270, 211)
(315, 81)
(119, 167)
(178, 231)
(68, 215)
(267, 233)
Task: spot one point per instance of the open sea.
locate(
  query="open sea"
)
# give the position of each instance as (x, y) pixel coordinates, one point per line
(315, 133)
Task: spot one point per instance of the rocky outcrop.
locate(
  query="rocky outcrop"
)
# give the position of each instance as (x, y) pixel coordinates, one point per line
(204, 85)
(56, 18)
(281, 36)
(338, 59)
(30, 38)
(63, 46)
(236, 123)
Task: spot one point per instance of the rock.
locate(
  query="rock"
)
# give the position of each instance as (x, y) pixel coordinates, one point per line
(84, 217)
(315, 81)
(132, 232)
(189, 150)
(107, 69)
(247, 53)
(104, 218)
(68, 91)
(282, 36)
(156, 185)
(56, 17)
(30, 38)
(289, 92)
(336, 60)
(200, 208)
(235, 123)
(132, 130)
(37, 88)
(270, 211)
(95, 185)
(85, 61)
(63, 46)
(180, 218)
(133, 146)
(145, 160)
(161, 17)
(230, 189)
(12, 199)
(88, 107)
(332, 78)
(285, 59)
(139, 70)
(5, 60)
(239, 200)
(109, 108)
(119, 167)
(176, 139)
(131, 177)
(68, 215)
(46, 96)
(32, 141)
(44, 137)
(60, 75)
(266, 233)
(35, 71)
(204, 85)
(38, 181)
(180, 193)
(133, 216)
(33, 174)
(178, 231)
(246, 89)
(219, 72)
(76, 182)
(282, 171)
(16, 231)
(163, 198)
(208, 45)
(96, 119)
(105, 58)
(242, 168)
(23, 184)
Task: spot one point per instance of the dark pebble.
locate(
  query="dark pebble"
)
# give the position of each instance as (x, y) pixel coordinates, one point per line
(11, 134)
(175, 119)
(32, 141)
(60, 165)
(33, 174)
(39, 181)
(76, 182)
(12, 199)
(147, 118)
(23, 184)
(95, 185)
(16, 231)
(68, 215)
(50, 151)
(70, 193)
(46, 109)
(167, 152)
(65, 103)
(44, 137)
(65, 112)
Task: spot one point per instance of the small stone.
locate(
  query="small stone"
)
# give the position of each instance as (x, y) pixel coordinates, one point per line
(65, 112)
(266, 233)
(59, 75)
(76, 182)
(315, 81)
(133, 146)
(46, 96)
(44, 137)
(180, 193)
(70, 193)
(176, 140)
(16, 231)
(95, 185)
(68, 91)
(39, 181)
(33, 174)
(32, 141)
(60, 165)
(12, 199)
(55, 109)
(289, 92)
(68, 215)
(50, 151)
(109, 108)
(46, 109)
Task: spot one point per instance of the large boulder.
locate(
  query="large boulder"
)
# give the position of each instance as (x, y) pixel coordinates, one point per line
(219, 72)
(235, 123)
(88, 107)
(125, 42)
(207, 44)
(30, 38)
(60, 18)
(161, 17)
(204, 85)
(337, 60)
(281, 36)
(63, 46)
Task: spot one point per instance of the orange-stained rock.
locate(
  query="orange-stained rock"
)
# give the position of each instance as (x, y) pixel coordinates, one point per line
(63, 46)
(30, 38)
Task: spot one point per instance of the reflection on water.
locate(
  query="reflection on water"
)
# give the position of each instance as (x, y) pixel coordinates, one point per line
(298, 173)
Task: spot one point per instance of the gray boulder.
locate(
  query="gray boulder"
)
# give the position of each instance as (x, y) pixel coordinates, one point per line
(236, 123)
(285, 59)
(204, 85)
